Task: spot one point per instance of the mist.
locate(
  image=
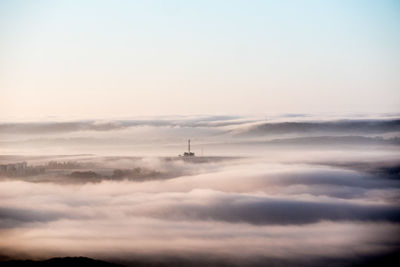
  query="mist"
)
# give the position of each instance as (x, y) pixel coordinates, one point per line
(296, 191)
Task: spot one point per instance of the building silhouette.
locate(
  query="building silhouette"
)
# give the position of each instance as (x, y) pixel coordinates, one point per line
(188, 153)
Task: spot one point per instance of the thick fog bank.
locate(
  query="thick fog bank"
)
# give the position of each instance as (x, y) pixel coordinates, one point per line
(211, 135)
(301, 200)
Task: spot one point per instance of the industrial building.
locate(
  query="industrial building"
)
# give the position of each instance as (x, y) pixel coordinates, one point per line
(188, 153)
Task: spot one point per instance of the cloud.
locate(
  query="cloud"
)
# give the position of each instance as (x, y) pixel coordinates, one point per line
(11, 217)
(216, 135)
(91, 125)
(264, 210)
(352, 127)
(386, 169)
(306, 206)
(240, 126)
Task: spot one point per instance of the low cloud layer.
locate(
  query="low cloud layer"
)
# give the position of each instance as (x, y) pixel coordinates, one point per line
(305, 200)
(213, 135)
(90, 125)
(237, 208)
(324, 127)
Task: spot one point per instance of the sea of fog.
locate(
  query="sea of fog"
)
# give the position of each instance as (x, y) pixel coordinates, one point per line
(292, 190)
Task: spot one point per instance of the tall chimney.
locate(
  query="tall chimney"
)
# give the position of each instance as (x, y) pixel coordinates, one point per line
(189, 145)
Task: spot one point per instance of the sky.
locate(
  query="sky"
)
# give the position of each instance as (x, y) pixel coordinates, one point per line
(143, 58)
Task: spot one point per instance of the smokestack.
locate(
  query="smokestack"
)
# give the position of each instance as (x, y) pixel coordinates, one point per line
(189, 145)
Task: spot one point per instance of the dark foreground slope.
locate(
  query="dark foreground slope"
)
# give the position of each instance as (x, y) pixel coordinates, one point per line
(387, 259)
(60, 262)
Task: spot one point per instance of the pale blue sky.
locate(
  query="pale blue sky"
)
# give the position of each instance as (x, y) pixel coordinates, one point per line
(130, 58)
